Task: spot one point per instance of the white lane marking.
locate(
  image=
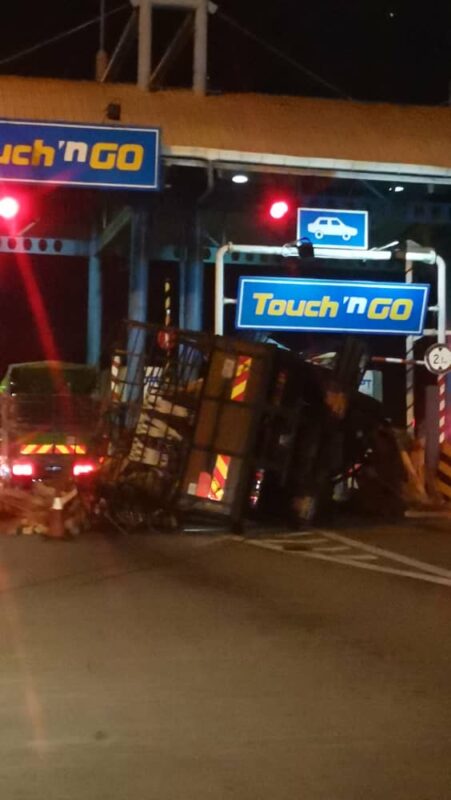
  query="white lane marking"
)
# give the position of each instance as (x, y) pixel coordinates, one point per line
(263, 543)
(293, 543)
(380, 552)
(316, 540)
(199, 540)
(362, 557)
(351, 562)
(430, 573)
(189, 531)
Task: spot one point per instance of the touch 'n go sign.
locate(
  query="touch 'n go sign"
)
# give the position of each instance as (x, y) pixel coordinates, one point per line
(297, 304)
(103, 156)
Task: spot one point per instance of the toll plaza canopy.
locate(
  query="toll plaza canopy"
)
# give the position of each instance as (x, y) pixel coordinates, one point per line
(264, 132)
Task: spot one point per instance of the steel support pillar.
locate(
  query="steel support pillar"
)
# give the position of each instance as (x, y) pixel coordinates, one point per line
(200, 48)
(137, 298)
(191, 287)
(139, 266)
(144, 43)
(94, 330)
(192, 274)
(183, 266)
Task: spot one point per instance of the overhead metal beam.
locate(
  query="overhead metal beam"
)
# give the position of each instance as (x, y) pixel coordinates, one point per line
(298, 165)
(177, 254)
(44, 246)
(116, 225)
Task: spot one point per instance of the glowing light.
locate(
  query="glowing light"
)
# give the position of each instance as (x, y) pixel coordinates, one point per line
(83, 469)
(9, 207)
(240, 178)
(22, 470)
(279, 209)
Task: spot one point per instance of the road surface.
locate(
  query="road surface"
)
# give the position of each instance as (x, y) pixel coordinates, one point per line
(210, 667)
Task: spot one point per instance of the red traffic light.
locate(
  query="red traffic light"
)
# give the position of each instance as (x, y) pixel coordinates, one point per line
(9, 207)
(279, 209)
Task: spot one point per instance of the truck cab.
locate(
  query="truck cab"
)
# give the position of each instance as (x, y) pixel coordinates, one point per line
(48, 419)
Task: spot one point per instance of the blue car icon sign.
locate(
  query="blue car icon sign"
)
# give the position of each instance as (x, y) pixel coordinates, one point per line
(331, 226)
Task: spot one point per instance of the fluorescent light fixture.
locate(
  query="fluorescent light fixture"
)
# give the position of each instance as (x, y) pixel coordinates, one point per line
(240, 178)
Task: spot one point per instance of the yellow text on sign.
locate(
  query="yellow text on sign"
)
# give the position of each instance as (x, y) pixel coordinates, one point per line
(379, 308)
(107, 156)
(267, 304)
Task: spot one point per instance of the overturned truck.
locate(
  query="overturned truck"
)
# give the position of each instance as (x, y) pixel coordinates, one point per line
(216, 428)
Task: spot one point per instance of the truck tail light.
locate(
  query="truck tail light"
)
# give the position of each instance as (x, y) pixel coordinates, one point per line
(23, 469)
(83, 468)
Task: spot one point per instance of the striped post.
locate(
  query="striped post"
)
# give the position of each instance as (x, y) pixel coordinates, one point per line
(410, 366)
(390, 360)
(441, 383)
(115, 379)
(167, 302)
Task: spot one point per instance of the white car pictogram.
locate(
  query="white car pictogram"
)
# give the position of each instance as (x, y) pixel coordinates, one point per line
(331, 226)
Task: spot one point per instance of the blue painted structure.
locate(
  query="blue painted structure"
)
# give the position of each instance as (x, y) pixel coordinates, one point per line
(326, 227)
(331, 306)
(102, 156)
(94, 325)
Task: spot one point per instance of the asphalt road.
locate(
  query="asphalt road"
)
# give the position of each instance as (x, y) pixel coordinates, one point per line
(204, 668)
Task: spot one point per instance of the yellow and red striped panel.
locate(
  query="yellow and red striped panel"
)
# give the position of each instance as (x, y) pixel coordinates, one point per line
(35, 449)
(61, 449)
(219, 478)
(241, 378)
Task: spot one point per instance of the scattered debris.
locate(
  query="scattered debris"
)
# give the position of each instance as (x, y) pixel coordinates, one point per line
(42, 511)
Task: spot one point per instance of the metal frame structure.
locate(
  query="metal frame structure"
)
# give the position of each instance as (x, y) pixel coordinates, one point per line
(425, 255)
(138, 220)
(234, 161)
(200, 9)
(412, 254)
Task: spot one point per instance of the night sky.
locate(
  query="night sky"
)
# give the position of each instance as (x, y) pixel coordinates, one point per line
(392, 50)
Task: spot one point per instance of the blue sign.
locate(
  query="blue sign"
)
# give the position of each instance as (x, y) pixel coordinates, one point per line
(105, 156)
(297, 304)
(326, 227)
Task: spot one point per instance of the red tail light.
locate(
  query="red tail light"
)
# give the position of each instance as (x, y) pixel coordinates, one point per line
(83, 468)
(23, 469)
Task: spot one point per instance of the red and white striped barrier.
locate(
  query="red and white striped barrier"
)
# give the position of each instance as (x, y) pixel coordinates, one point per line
(116, 379)
(441, 383)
